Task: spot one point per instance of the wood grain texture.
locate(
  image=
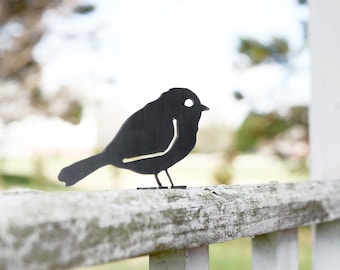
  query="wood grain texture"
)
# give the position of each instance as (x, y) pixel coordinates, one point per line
(58, 230)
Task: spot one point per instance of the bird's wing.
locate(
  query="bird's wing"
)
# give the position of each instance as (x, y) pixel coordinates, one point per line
(145, 133)
(160, 153)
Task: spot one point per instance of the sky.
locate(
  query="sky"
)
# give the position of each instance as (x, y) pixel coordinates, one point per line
(125, 53)
(138, 49)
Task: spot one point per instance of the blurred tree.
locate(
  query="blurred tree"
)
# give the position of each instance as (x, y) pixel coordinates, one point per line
(238, 95)
(274, 130)
(256, 128)
(274, 51)
(20, 93)
(260, 128)
(302, 2)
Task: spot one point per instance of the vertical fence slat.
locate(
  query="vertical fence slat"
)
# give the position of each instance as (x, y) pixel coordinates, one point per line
(326, 246)
(275, 251)
(185, 259)
(325, 113)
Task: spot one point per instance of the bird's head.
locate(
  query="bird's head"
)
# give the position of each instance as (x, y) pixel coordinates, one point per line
(182, 102)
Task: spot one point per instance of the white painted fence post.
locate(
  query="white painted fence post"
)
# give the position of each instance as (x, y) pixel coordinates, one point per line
(185, 259)
(326, 248)
(325, 118)
(275, 251)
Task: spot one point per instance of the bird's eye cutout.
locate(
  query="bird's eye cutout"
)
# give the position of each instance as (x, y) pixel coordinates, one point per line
(189, 102)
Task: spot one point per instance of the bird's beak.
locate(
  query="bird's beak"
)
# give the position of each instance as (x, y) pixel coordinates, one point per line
(204, 108)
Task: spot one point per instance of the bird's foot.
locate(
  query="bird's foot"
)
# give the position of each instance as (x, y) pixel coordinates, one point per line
(179, 187)
(162, 187)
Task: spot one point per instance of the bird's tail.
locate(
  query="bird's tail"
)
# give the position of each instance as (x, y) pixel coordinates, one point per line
(78, 170)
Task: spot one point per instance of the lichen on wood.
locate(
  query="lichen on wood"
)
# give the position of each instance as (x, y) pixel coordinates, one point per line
(60, 230)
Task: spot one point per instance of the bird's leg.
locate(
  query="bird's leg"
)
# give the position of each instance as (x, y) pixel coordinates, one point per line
(159, 182)
(172, 183)
(167, 173)
(160, 186)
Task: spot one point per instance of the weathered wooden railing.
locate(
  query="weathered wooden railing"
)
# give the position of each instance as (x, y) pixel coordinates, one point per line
(61, 230)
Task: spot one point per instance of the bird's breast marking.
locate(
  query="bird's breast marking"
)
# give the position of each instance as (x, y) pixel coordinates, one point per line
(158, 154)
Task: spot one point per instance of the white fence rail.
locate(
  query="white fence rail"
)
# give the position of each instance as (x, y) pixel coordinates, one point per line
(61, 230)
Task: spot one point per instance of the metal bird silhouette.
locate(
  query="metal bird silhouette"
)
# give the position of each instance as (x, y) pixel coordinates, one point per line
(150, 141)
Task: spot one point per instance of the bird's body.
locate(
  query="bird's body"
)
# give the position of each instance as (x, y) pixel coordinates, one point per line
(151, 140)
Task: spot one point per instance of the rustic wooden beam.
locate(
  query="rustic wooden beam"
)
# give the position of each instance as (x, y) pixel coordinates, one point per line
(58, 230)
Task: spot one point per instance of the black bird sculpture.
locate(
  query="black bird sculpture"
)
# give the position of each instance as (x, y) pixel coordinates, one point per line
(150, 141)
